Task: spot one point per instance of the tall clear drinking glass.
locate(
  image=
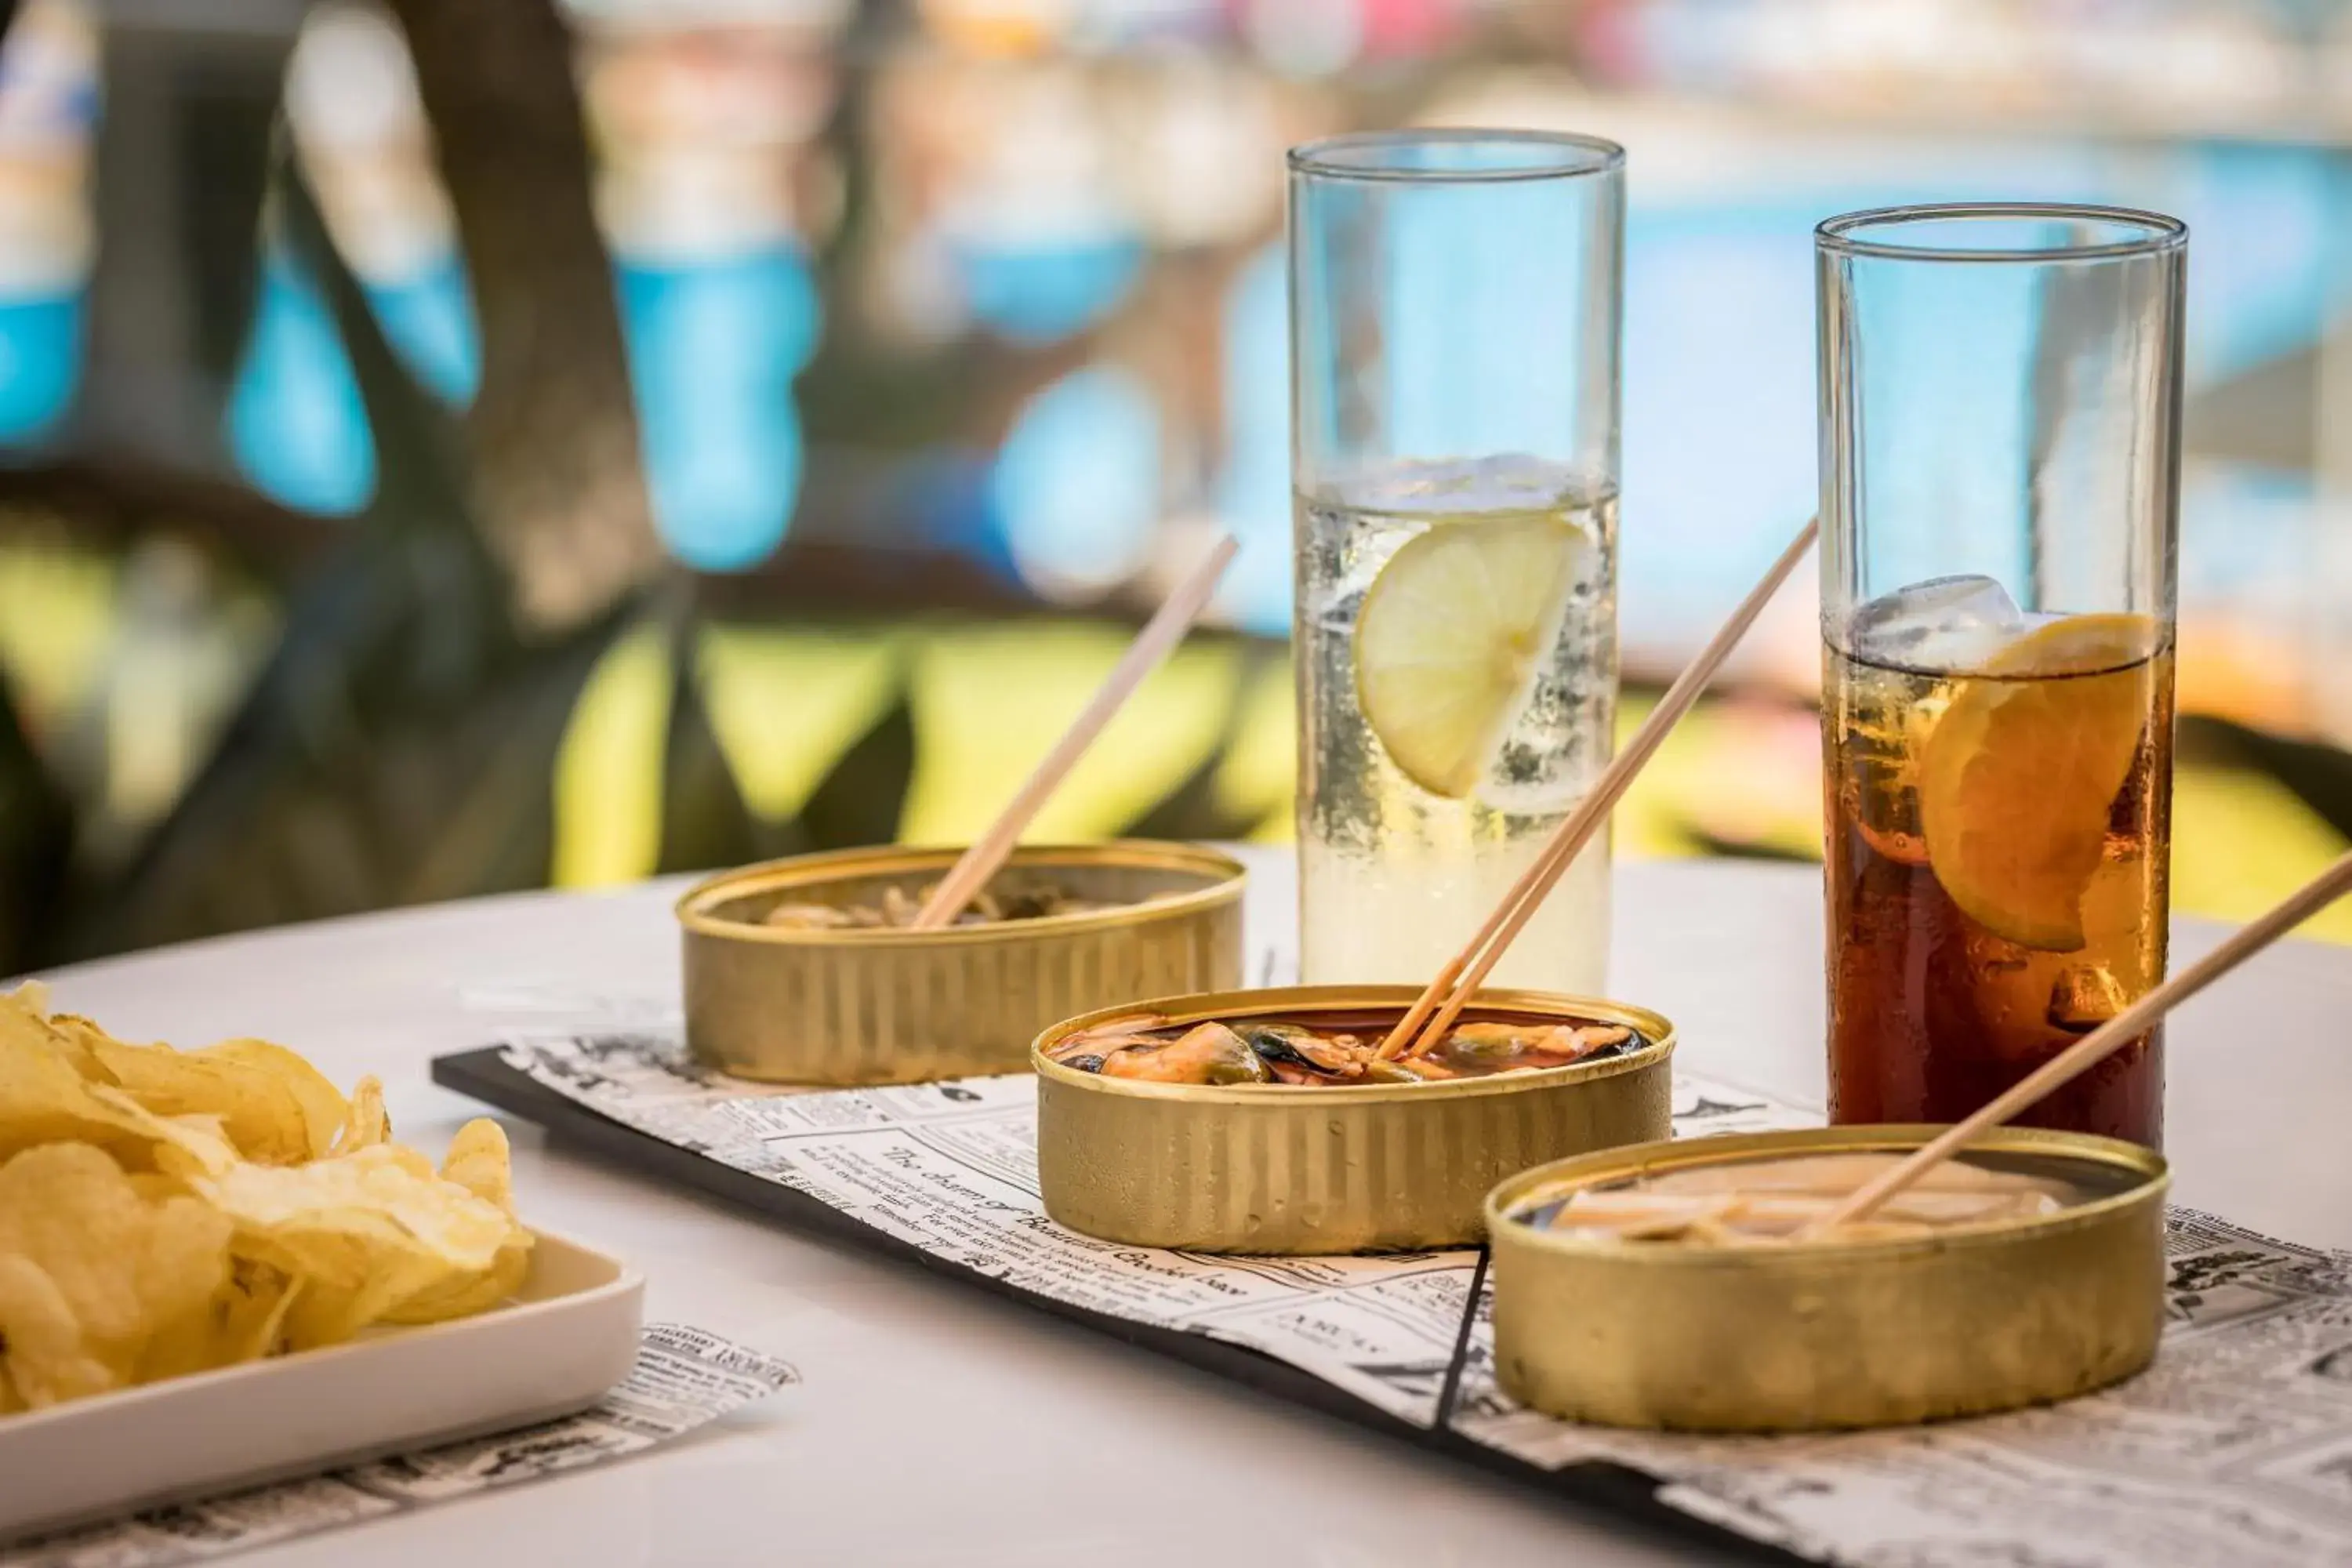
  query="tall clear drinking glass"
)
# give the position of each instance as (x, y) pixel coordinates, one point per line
(1999, 457)
(1454, 299)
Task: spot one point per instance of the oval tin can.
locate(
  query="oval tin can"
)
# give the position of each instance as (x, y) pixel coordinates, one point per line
(1785, 1337)
(1270, 1168)
(867, 1005)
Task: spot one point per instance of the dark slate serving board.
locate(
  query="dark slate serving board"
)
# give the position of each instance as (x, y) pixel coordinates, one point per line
(1626, 1493)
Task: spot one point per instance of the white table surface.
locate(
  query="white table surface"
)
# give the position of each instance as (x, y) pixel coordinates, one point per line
(940, 1426)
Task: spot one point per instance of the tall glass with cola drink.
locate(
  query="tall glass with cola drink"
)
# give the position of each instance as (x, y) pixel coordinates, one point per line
(2000, 393)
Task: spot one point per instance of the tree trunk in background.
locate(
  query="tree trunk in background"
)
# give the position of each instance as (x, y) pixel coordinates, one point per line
(183, 145)
(37, 827)
(555, 471)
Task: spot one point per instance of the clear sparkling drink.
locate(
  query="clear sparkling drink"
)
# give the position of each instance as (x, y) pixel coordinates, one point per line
(1457, 676)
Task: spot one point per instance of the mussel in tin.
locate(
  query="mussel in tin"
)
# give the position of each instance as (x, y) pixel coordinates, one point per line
(1331, 1052)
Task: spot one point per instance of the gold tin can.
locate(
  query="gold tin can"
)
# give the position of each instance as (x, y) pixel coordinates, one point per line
(872, 1006)
(1265, 1168)
(1788, 1338)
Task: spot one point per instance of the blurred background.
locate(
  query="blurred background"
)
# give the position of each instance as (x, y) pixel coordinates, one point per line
(448, 448)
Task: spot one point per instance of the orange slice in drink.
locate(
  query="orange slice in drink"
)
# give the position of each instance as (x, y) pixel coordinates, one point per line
(2018, 777)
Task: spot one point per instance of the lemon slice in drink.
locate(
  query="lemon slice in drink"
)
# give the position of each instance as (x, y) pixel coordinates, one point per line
(2017, 778)
(1451, 635)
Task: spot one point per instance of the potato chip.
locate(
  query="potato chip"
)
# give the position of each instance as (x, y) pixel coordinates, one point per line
(479, 1161)
(120, 1269)
(243, 1321)
(48, 1359)
(174, 1146)
(126, 1263)
(466, 1296)
(155, 1186)
(412, 1161)
(366, 1125)
(194, 1341)
(277, 1108)
(357, 1230)
(166, 1212)
(327, 1314)
(28, 1004)
(377, 1195)
(43, 1099)
(324, 1109)
(256, 1108)
(66, 1035)
(365, 1231)
(255, 1320)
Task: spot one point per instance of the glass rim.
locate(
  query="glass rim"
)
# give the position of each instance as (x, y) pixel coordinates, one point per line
(1578, 156)
(2158, 232)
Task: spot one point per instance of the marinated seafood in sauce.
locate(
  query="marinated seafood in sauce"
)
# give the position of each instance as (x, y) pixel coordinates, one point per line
(1761, 1202)
(897, 906)
(1329, 1053)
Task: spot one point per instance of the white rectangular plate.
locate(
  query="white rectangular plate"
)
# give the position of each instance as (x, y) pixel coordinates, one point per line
(569, 1336)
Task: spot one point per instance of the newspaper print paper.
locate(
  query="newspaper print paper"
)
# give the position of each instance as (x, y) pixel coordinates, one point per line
(683, 1379)
(951, 1167)
(2235, 1449)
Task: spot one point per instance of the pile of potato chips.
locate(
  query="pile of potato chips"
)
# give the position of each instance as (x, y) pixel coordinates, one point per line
(165, 1212)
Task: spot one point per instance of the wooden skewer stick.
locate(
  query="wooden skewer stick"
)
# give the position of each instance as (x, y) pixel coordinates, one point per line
(1459, 980)
(1154, 643)
(2085, 1053)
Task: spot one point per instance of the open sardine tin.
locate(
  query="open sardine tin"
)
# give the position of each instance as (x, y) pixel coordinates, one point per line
(1789, 1336)
(872, 1006)
(1277, 1169)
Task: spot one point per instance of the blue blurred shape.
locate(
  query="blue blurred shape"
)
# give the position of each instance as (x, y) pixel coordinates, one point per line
(713, 348)
(1077, 483)
(40, 360)
(1253, 493)
(1043, 291)
(2259, 221)
(1719, 417)
(429, 319)
(950, 496)
(295, 423)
